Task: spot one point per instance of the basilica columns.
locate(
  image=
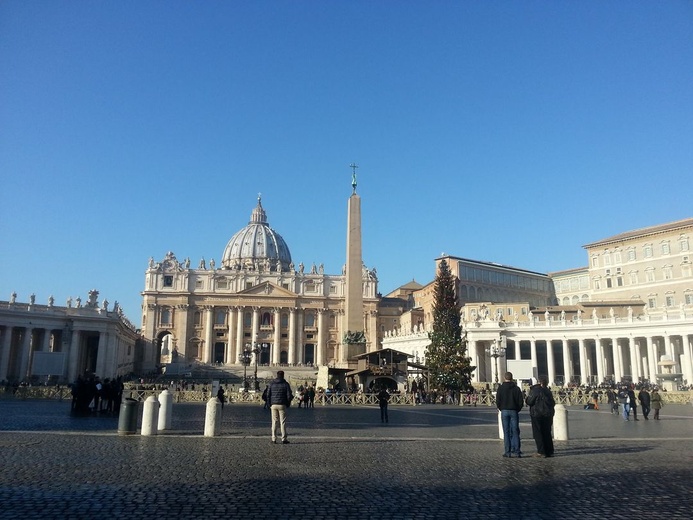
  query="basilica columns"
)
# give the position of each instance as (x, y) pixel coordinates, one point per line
(277, 348)
(292, 336)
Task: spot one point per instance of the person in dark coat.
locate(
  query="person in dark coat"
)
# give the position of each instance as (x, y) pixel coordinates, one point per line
(383, 399)
(644, 398)
(541, 410)
(279, 397)
(509, 400)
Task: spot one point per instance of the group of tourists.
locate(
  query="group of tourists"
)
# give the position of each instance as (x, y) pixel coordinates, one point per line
(91, 396)
(625, 398)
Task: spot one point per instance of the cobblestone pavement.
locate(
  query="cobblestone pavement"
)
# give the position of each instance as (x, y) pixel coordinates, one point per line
(433, 462)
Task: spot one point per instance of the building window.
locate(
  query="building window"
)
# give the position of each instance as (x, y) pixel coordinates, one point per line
(617, 257)
(595, 261)
(669, 301)
(333, 289)
(686, 270)
(651, 302)
(647, 251)
(666, 271)
(223, 284)
(198, 284)
(285, 321)
(633, 278)
(650, 275)
(168, 281)
(619, 281)
(597, 285)
(683, 244)
(248, 285)
(197, 318)
(165, 317)
(247, 319)
(608, 283)
(220, 318)
(689, 298)
(665, 248)
(631, 255)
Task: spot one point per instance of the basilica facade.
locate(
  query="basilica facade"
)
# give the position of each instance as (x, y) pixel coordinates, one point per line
(256, 300)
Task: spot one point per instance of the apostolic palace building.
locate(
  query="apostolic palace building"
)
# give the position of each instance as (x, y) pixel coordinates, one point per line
(627, 315)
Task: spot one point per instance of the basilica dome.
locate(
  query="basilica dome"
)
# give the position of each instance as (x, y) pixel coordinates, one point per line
(257, 246)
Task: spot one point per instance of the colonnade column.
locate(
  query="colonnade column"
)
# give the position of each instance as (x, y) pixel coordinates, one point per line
(321, 348)
(618, 360)
(667, 347)
(300, 358)
(102, 355)
(255, 333)
(230, 356)
(239, 334)
(5, 351)
(567, 363)
(582, 350)
(474, 354)
(25, 351)
(533, 354)
(209, 335)
(73, 355)
(600, 360)
(686, 358)
(652, 356)
(635, 371)
(277, 347)
(550, 362)
(46, 343)
(292, 336)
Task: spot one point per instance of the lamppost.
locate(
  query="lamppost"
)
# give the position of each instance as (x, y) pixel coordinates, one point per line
(244, 358)
(258, 348)
(496, 350)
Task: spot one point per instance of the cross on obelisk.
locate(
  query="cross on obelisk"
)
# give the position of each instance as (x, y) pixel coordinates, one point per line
(353, 167)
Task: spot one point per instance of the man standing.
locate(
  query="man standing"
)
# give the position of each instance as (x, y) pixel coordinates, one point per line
(644, 398)
(509, 401)
(383, 399)
(541, 409)
(279, 397)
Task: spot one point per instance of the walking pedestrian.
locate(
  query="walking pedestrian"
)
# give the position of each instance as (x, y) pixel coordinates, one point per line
(509, 401)
(279, 397)
(220, 396)
(541, 410)
(633, 403)
(644, 398)
(656, 402)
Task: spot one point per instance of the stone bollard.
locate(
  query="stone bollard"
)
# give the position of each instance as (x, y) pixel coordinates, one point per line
(165, 410)
(560, 423)
(501, 435)
(213, 417)
(149, 416)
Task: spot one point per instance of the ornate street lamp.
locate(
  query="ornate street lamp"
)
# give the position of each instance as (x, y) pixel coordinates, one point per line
(496, 350)
(258, 348)
(245, 358)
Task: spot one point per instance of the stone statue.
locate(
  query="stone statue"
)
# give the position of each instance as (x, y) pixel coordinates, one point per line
(51, 300)
(547, 315)
(594, 314)
(212, 264)
(611, 312)
(104, 305)
(313, 269)
(579, 314)
(562, 315)
(321, 269)
(69, 302)
(301, 267)
(187, 263)
(630, 312)
(202, 265)
(93, 296)
(292, 267)
(13, 297)
(151, 262)
(32, 299)
(530, 316)
(344, 269)
(78, 303)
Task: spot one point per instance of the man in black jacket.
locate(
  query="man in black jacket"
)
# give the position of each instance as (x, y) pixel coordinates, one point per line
(509, 401)
(279, 397)
(541, 409)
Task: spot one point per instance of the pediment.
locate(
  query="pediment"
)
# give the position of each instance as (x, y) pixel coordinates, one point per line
(267, 289)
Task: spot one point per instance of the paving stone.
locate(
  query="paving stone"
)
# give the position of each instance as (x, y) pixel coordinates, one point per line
(429, 462)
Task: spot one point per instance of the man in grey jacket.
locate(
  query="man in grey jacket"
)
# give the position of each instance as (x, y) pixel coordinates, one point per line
(279, 397)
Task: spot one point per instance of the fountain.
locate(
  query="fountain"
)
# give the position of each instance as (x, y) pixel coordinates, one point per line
(667, 378)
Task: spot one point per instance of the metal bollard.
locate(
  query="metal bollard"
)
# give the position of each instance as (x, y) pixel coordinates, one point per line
(149, 416)
(560, 423)
(127, 419)
(165, 410)
(212, 417)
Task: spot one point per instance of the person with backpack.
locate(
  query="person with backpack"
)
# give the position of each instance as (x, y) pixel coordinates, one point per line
(541, 410)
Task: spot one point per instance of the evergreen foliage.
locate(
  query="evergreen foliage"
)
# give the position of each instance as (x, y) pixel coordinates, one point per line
(446, 356)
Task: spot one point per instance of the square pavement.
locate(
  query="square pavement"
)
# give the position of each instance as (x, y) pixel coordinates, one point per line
(431, 461)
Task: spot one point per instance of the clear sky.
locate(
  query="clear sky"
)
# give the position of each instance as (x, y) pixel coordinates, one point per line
(511, 132)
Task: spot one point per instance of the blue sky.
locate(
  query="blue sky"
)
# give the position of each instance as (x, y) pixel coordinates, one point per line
(512, 132)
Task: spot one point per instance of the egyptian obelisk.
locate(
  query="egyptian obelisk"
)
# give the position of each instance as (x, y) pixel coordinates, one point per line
(354, 339)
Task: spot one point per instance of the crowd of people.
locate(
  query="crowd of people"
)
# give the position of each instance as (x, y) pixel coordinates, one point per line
(91, 396)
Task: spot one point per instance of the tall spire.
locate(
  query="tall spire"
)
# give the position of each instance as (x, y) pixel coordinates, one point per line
(353, 167)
